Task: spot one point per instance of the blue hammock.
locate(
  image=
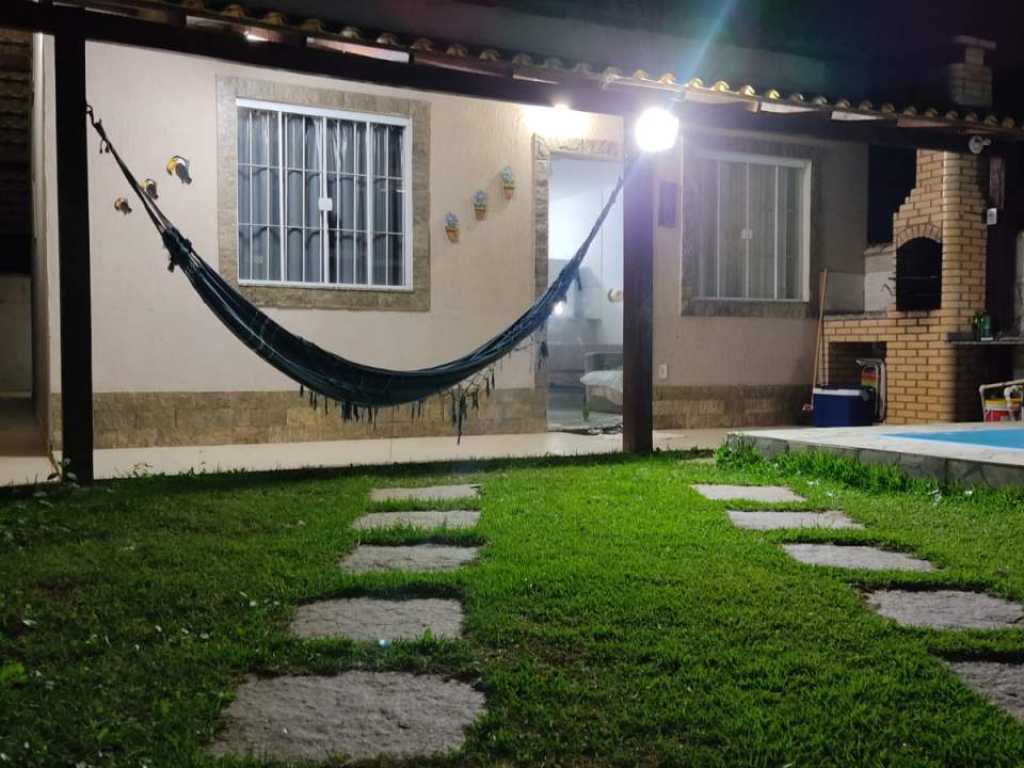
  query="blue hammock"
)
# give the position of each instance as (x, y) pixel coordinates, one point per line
(359, 390)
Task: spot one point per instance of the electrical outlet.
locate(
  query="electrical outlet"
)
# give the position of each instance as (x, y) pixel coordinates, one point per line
(663, 371)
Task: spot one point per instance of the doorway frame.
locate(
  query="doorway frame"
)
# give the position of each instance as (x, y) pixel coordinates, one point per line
(543, 149)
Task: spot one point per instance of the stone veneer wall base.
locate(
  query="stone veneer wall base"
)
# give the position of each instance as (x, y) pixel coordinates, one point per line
(708, 407)
(145, 419)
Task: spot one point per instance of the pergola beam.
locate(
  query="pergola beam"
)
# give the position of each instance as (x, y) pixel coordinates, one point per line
(888, 133)
(583, 95)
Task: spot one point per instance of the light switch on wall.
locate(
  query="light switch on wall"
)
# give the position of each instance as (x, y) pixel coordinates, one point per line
(663, 371)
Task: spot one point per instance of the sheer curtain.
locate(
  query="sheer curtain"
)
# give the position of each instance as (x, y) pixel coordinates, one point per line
(790, 233)
(301, 196)
(259, 179)
(752, 220)
(761, 228)
(732, 221)
(346, 187)
(388, 205)
(287, 164)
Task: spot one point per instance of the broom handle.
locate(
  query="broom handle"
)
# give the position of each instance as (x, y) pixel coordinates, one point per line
(820, 341)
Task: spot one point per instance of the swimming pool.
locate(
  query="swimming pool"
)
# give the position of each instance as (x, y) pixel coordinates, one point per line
(989, 437)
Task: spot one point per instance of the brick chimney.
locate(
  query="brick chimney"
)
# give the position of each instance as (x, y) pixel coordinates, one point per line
(970, 80)
(929, 379)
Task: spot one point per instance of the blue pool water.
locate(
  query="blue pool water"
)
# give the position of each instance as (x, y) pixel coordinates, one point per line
(1006, 437)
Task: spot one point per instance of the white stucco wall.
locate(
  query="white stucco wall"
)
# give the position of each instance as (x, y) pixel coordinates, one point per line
(151, 333)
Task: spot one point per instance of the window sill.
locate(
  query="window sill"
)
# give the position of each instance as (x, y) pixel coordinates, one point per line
(769, 308)
(306, 296)
(327, 286)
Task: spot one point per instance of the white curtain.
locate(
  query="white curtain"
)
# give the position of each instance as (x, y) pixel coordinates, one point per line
(750, 236)
(321, 158)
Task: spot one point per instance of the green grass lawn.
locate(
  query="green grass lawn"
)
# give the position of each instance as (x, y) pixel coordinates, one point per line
(614, 618)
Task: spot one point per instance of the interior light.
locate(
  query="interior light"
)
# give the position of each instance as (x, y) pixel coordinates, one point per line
(255, 37)
(559, 308)
(656, 129)
(559, 121)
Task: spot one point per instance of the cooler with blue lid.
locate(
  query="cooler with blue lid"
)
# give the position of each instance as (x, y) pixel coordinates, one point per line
(840, 406)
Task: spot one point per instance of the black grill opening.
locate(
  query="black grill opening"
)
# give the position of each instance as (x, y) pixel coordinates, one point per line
(919, 275)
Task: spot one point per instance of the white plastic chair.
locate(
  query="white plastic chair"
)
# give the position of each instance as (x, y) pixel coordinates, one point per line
(1012, 402)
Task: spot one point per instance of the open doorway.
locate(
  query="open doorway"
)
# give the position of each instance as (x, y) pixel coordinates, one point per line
(584, 334)
(20, 431)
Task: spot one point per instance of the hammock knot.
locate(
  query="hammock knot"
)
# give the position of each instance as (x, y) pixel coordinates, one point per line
(178, 246)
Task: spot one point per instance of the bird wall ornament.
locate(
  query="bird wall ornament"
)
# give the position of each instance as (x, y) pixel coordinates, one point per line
(121, 204)
(180, 167)
(149, 185)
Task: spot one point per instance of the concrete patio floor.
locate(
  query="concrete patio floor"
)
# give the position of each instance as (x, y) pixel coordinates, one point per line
(124, 462)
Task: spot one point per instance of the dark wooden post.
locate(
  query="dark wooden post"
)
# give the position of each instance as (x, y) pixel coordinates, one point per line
(638, 309)
(73, 233)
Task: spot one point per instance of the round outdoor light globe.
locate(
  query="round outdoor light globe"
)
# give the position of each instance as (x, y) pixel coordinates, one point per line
(656, 129)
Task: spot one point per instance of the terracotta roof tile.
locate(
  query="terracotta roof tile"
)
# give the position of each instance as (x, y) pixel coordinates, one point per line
(693, 87)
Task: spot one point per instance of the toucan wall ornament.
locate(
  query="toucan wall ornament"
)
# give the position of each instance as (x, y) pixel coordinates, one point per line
(121, 204)
(180, 167)
(149, 185)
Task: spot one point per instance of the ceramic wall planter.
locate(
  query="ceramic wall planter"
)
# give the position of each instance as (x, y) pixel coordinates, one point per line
(508, 182)
(480, 204)
(451, 227)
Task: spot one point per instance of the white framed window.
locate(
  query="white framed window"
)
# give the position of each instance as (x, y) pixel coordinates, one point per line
(755, 213)
(324, 198)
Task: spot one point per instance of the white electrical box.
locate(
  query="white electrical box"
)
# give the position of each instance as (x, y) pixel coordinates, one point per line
(992, 216)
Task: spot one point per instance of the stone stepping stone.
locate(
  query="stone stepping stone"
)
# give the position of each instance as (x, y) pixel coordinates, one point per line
(426, 520)
(429, 493)
(999, 682)
(771, 521)
(867, 558)
(357, 714)
(369, 619)
(764, 494)
(945, 609)
(418, 557)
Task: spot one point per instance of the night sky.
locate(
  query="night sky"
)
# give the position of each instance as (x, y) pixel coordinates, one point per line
(897, 43)
(856, 29)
